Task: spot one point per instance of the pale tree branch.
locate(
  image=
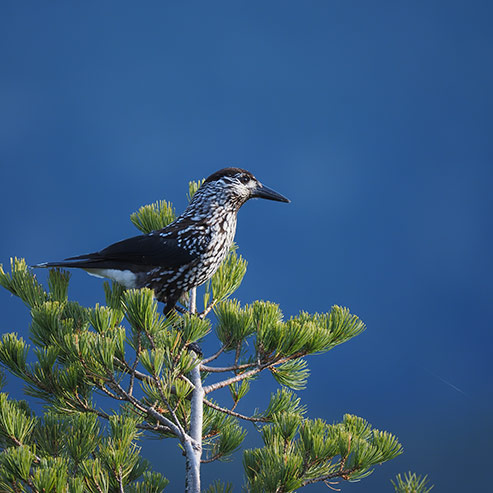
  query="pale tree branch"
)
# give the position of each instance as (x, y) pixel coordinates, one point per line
(236, 378)
(211, 459)
(93, 410)
(178, 431)
(101, 414)
(237, 353)
(110, 394)
(234, 413)
(206, 311)
(137, 374)
(167, 404)
(155, 427)
(214, 356)
(120, 481)
(250, 373)
(213, 369)
(18, 443)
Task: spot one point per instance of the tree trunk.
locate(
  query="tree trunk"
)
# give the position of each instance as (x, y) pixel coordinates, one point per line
(193, 444)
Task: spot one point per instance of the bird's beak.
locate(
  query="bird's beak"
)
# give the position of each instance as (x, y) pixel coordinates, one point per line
(263, 192)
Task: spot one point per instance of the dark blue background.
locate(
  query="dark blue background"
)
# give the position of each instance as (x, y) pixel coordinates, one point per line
(373, 117)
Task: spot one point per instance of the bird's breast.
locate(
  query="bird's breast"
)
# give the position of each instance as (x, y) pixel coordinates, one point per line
(222, 234)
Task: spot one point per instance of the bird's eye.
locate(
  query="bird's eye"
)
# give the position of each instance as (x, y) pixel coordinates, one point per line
(244, 179)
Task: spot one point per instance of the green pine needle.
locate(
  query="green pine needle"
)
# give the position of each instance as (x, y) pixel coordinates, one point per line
(16, 462)
(292, 374)
(227, 278)
(284, 401)
(219, 487)
(411, 483)
(152, 482)
(13, 354)
(153, 217)
(114, 295)
(142, 312)
(193, 186)
(234, 323)
(22, 283)
(16, 425)
(58, 284)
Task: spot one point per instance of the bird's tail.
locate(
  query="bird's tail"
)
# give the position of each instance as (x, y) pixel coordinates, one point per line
(81, 262)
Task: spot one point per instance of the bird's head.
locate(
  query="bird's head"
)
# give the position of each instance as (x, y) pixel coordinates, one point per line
(238, 185)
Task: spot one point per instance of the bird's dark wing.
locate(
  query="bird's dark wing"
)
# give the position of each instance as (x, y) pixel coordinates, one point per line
(138, 253)
(145, 250)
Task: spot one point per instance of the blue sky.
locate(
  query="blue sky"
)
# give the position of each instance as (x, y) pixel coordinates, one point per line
(374, 118)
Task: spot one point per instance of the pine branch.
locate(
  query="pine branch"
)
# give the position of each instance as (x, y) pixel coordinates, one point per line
(234, 413)
(110, 394)
(120, 481)
(212, 369)
(260, 367)
(343, 474)
(178, 431)
(105, 416)
(207, 310)
(98, 487)
(154, 427)
(214, 356)
(137, 374)
(167, 404)
(237, 352)
(211, 459)
(224, 383)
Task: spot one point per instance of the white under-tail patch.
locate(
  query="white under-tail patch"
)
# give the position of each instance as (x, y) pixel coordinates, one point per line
(125, 277)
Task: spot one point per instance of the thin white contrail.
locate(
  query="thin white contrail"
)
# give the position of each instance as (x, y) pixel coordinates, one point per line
(445, 381)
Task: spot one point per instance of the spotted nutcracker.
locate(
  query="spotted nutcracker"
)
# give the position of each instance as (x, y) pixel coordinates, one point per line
(187, 252)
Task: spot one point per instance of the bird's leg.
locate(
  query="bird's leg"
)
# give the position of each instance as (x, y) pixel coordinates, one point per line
(168, 310)
(170, 305)
(179, 309)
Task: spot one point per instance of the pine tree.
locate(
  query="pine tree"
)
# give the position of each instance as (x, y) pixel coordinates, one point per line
(153, 384)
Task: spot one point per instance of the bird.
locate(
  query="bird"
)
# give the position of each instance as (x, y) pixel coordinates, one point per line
(187, 252)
